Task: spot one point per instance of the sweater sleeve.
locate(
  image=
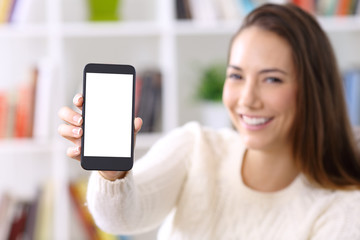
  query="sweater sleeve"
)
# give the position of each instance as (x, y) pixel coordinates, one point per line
(341, 220)
(143, 198)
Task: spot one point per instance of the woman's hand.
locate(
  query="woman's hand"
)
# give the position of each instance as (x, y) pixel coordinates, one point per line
(73, 132)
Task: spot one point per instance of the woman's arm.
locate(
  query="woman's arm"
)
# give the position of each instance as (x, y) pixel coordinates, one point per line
(143, 198)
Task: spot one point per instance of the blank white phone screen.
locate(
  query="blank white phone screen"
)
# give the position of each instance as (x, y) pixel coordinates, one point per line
(108, 115)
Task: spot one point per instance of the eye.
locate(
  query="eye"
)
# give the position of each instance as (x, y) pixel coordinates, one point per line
(273, 80)
(235, 76)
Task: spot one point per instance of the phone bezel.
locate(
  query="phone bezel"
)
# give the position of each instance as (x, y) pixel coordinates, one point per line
(100, 162)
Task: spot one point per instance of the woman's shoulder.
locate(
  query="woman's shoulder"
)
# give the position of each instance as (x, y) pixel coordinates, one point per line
(347, 198)
(336, 196)
(339, 215)
(334, 202)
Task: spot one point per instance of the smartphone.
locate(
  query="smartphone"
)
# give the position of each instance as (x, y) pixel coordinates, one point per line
(108, 117)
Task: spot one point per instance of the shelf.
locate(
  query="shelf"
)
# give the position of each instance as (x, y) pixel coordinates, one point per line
(188, 27)
(111, 29)
(25, 146)
(28, 146)
(193, 28)
(340, 24)
(23, 30)
(152, 28)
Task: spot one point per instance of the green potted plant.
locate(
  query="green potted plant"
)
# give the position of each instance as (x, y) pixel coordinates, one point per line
(104, 10)
(209, 92)
(211, 83)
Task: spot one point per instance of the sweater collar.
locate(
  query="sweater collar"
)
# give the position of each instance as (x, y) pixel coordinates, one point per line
(239, 150)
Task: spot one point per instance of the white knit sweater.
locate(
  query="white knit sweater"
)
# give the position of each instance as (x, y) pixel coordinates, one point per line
(192, 179)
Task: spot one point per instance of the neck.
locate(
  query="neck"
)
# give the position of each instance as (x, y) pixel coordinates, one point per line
(268, 171)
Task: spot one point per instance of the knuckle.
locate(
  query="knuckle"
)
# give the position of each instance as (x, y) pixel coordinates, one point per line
(60, 129)
(61, 111)
(68, 152)
(64, 112)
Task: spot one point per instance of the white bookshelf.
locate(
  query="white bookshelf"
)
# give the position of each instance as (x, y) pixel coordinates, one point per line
(149, 36)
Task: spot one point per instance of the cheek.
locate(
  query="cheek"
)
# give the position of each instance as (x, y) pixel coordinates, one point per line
(290, 100)
(286, 102)
(228, 95)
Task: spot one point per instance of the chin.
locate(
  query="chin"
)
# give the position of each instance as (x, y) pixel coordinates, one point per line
(252, 146)
(254, 143)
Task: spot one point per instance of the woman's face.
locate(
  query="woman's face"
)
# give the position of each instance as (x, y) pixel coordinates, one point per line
(260, 89)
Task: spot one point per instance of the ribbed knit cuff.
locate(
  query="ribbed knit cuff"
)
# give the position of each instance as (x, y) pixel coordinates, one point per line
(111, 188)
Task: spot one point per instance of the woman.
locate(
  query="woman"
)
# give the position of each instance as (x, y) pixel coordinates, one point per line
(290, 171)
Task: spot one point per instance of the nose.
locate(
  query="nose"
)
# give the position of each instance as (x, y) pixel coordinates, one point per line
(249, 95)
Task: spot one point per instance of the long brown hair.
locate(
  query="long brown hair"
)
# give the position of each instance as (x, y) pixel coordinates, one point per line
(324, 146)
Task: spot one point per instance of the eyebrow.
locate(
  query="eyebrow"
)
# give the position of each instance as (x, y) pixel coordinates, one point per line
(261, 71)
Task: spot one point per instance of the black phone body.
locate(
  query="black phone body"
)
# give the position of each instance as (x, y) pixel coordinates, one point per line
(108, 117)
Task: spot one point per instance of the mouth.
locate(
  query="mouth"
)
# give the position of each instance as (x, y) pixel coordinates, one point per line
(255, 122)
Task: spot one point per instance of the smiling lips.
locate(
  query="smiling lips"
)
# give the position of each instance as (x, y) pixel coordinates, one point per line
(254, 123)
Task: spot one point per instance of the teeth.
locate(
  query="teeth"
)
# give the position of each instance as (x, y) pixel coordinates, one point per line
(255, 121)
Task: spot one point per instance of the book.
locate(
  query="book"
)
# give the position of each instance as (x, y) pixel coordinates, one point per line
(307, 5)
(27, 219)
(355, 7)
(19, 221)
(24, 111)
(5, 10)
(12, 10)
(203, 11)
(11, 107)
(76, 229)
(45, 212)
(43, 98)
(3, 113)
(138, 88)
(76, 194)
(7, 213)
(352, 95)
(326, 7)
(21, 12)
(229, 9)
(150, 102)
(246, 5)
(343, 7)
(30, 225)
(77, 190)
(183, 10)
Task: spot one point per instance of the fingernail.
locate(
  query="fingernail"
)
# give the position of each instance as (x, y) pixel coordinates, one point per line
(77, 119)
(76, 131)
(76, 98)
(76, 149)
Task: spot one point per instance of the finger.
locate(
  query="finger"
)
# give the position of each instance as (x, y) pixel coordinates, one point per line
(69, 131)
(74, 152)
(65, 132)
(78, 100)
(138, 124)
(70, 116)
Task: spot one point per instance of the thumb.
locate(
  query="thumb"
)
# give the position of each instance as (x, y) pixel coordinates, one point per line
(138, 123)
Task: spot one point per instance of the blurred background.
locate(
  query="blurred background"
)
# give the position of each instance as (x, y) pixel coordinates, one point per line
(179, 49)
